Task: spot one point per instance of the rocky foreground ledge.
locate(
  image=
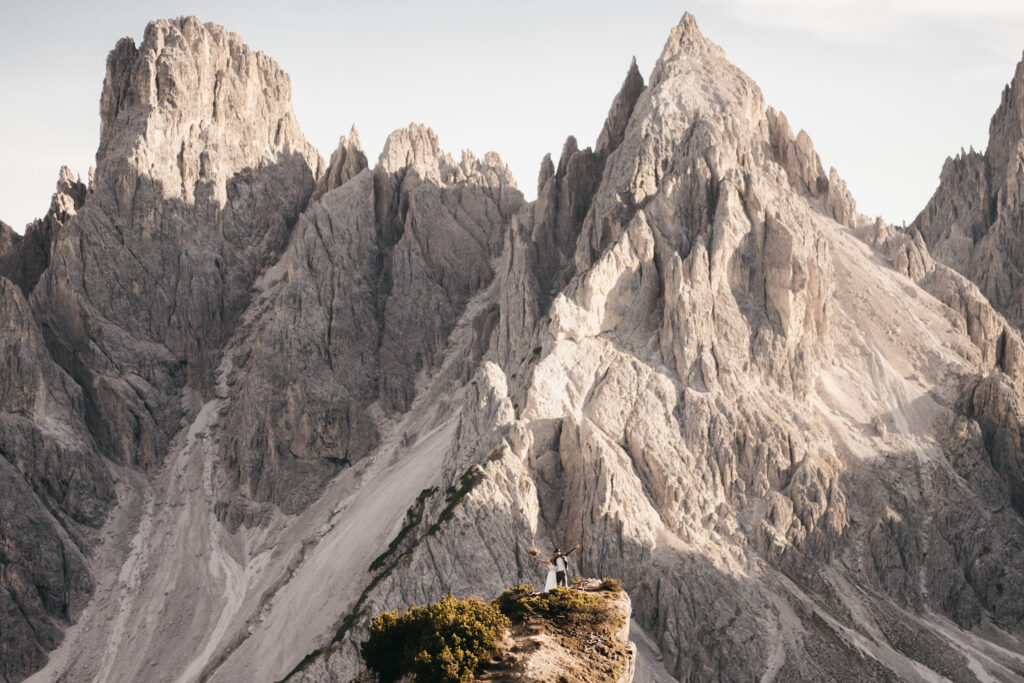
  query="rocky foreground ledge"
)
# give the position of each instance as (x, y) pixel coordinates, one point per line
(578, 634)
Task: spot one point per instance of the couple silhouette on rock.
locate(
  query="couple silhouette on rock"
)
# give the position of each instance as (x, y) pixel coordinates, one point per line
(558, 567)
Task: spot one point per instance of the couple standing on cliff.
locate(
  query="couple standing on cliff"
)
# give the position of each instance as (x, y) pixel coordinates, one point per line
(558, 567)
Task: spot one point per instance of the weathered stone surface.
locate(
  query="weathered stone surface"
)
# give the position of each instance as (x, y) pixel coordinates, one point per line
(713, 486)
(201, 172)
(737, 408)
(23, 260)
(346, 163)
(378, 273)
(538, 260)
(54, 492)
(999, 343)
(975, 220)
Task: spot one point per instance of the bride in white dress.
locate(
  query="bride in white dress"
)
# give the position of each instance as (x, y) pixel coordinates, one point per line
(549, 583)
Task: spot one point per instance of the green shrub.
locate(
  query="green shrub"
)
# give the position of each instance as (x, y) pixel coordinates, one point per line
(563, 607)
(610, 585)
(444, 642)
(512, 602)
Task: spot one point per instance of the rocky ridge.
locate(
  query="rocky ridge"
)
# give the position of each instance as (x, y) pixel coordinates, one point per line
(791, 431)
(973, 221)
(683, 409)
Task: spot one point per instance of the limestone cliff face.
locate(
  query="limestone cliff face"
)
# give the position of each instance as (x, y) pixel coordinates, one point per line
(792, 432)
(975, 219)
(380, 269)
(23, 259)
(55, 491)
(200, 174)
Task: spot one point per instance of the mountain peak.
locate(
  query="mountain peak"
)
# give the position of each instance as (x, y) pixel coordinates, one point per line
(1006, 129)
(687, 38)
(679, 361)
(347, 161)
(414, 147)
(190, 89)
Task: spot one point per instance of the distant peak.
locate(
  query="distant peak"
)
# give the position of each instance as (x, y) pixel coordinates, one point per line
(1006, 129)
(347, 161)
(687, 35)
(685, 39)
(414, 147)
(353, 137)
(547, 172)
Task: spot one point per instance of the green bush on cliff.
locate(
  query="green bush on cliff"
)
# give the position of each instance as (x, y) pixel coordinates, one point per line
(563, 607)
(444, 642)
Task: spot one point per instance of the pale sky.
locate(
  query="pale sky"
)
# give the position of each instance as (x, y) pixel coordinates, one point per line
(887, 89)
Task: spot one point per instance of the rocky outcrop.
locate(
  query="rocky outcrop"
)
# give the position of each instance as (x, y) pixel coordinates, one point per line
(995, 403)
(200, 174)
(1000, 343)
(975, 220)
(539, 259)
(10, 266)
(806, 175)
(24, 260)
(484, 500)
(346, 163)
(54, 493)
(379, 271)
(540, 649)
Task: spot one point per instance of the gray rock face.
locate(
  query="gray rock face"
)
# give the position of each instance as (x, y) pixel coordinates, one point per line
(54, 493)
(200, 173)
(539, 259)
(346, 163)
(24, 259)
(378, 273)
(975, 219)
(999, 343)
(9, 253)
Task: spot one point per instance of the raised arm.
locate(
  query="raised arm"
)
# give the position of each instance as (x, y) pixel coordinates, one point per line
(577, 547)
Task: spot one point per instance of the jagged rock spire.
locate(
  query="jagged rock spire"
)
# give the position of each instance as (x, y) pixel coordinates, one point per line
(975, 220)
(618, 116)
(347, 161)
